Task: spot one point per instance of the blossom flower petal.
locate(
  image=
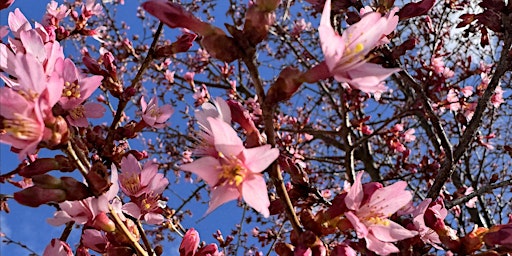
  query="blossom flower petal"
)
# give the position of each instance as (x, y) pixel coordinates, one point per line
(226, 139)
(355, 195)
(381, 248)
(361, 229)
(333, 46)
(153, 218)
(132, 209)
(221, 195)
(254, 193)
(391, 232)
(396, 191)
(205, 168)
(259, 158)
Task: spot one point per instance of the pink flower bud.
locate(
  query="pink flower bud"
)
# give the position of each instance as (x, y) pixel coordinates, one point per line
(44, 165)
(102, 222)
(47, 181)
(57, 248)
(343, 250)
(190, 242)
(75, 190)
(257, 22)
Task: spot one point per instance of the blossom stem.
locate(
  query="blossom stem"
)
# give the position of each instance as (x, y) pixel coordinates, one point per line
(120, 224)
(144, 237)
(349, 148)
(123, 101)
(71, 152)
(65, 233)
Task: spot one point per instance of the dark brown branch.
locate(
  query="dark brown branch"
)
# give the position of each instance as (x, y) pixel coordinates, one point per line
(485, 189)
(123, 101)
(504, 64)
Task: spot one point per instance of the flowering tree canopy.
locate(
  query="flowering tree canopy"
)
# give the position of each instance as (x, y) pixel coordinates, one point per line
(337, 127)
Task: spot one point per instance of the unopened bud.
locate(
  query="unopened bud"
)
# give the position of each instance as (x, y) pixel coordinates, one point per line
(44, 165)
(97, 179)
(499, 235)
(285, 86)
(190, 242)
(75, 190)
(283, 249)
(411, 10)
(183, 43)
(257, 23)
(46, 181)
(221, 46)
(36, 196)
(103, 222)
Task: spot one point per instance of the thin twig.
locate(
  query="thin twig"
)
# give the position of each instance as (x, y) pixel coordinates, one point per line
(7, 240)
(127, 233)
(67, 230)
(481, 191)
(144, 238)
(504, 64)
(71, 152)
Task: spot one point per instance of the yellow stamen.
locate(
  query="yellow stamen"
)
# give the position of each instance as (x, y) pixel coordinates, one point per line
(71, 90)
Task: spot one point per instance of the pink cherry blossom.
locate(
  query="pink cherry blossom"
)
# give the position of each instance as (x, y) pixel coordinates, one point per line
(427, 234)
(148, 207)
(79, 114)
(153, 115)
(175, 16)
(95, 240)
(236, 171)
(18, 22)
(77, 87)
(57, 247)
(22, 125)
(190, 245)
(345, 55)
(219, 109)
(497, 97)
(135, 181)
(370, 217)
(453, 100)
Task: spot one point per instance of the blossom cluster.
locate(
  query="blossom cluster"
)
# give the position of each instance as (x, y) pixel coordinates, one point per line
(45, 91)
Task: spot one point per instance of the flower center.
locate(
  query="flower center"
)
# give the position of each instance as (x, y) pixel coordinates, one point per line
(232, 171)
(77, 112)
(71, 90)
(20, 128)
(155, 112)
(357, 49)
(132, 183)
(378, 221)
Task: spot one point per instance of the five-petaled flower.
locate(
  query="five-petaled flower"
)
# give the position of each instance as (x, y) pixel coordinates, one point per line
(369, 213)
(236, 171)
(153, 115)
(345, 55)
